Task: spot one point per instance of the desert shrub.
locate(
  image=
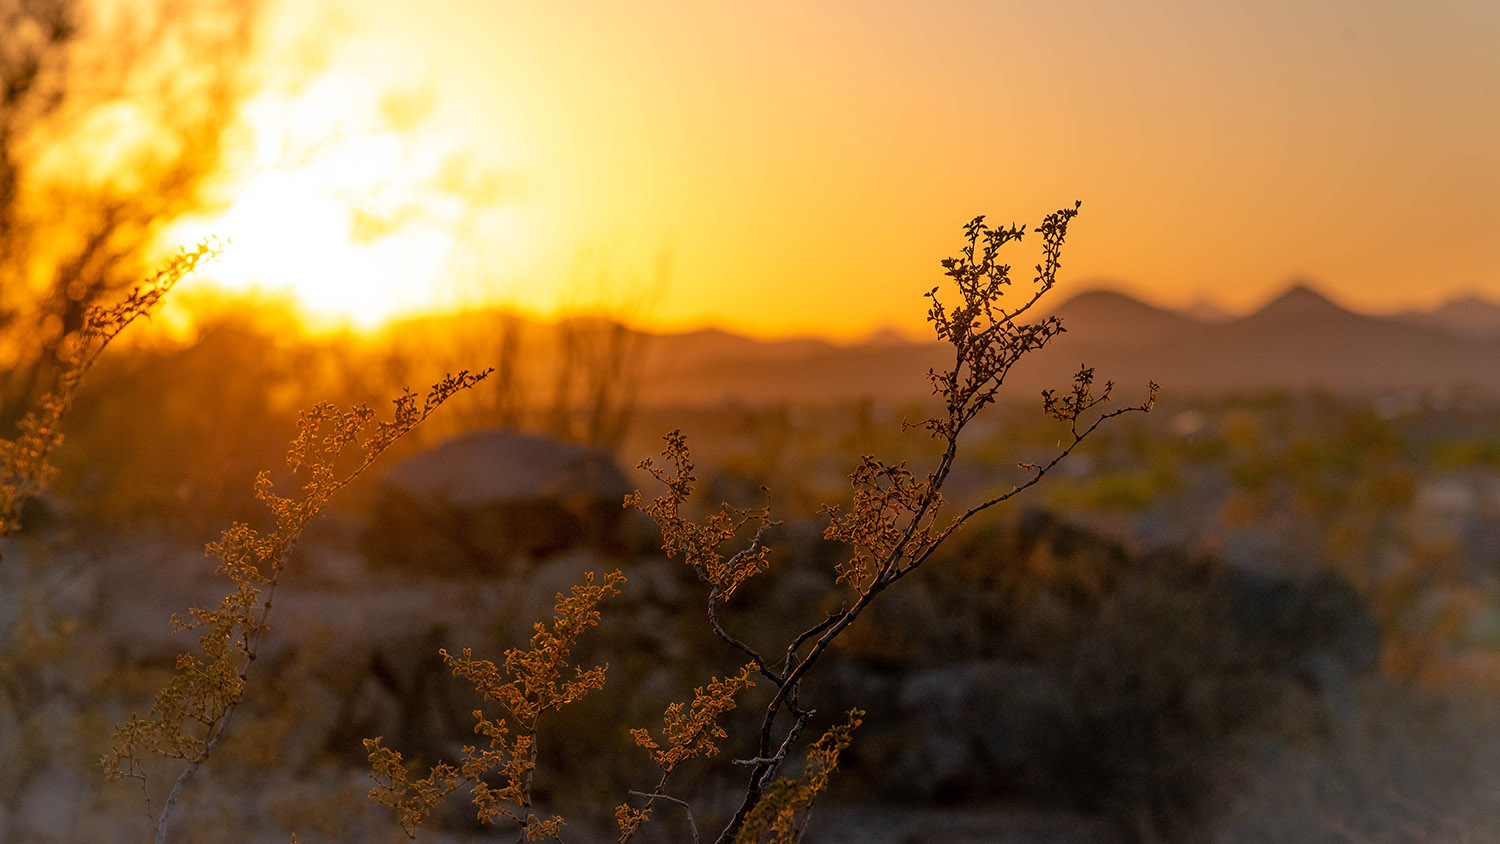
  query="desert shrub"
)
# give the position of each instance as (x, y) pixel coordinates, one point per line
(26, 461)
(142, 449)
(143, 456)
(81, 201)
(893, 525)
(193, 710)
(894, 522)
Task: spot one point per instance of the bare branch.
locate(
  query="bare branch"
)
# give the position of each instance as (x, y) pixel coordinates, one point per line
(692, 824)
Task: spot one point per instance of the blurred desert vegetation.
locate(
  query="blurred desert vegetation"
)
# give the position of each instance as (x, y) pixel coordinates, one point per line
(1246, 617)
(111, 120)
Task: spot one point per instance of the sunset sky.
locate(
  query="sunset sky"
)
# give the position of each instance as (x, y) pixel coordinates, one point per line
(784, 168)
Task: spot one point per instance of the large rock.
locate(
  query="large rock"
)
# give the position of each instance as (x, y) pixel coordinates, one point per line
(489, 502)
(1125, 686)
(980, 727)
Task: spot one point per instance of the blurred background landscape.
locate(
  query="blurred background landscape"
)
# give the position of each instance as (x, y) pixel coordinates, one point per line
(1267, 611)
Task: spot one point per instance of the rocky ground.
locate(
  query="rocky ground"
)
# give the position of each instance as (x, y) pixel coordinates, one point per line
(1037, 684)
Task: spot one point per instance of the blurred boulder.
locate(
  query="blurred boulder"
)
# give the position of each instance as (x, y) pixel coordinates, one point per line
(487, 503)
(46, 514)
(1288, 620)
(399, 689)
(49, 802)
(980, 727)
(1047, 663)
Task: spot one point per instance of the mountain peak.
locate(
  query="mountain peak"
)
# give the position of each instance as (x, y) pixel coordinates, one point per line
(1300, 301)
(1466, 303)
(1471, 315)
(1109, 316)
(1111, 303)
(1206, 310)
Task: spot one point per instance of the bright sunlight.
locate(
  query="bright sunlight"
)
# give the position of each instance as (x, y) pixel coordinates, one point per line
(348, 200)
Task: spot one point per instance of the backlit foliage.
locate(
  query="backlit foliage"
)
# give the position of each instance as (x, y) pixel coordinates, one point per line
(699, 544)
(892, 526)
(690, 731)
(113, 118)
(191, 713)
(25, 461)
(530, 683)
(788, 799)
(885, 497)
(894, 522)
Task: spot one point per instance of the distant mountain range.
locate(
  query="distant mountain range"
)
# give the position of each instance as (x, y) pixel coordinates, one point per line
(1299, 340)
(1470, 316)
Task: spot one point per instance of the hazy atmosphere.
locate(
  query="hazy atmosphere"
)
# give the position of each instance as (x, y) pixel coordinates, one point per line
(847, 423)
(733, 160)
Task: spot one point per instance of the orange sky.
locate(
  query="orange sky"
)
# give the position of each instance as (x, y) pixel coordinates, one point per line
(785, 167)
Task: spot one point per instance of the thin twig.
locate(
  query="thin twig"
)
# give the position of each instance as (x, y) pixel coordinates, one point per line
(692, 824)
(714, 594)
(810, 632)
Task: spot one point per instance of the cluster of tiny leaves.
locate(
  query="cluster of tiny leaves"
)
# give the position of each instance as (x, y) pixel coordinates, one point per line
(690, 731)
(987, 337)
(630, 819)
(25, 461)
(1072, 406)
(191, 711)
(700, 543)
(878, 523)
(892, 517)
(789, 799)
(530, 682)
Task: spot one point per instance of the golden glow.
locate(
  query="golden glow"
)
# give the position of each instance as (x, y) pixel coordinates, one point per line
(805, 166)
(342, 204)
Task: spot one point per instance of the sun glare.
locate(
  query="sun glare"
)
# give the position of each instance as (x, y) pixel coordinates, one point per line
(346, 203)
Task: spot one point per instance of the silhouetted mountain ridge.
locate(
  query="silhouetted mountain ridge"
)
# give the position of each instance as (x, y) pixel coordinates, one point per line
(1299, 339)
(1298, 303)
(1470, 316)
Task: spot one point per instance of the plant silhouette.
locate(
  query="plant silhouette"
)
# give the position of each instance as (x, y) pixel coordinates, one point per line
(895, 523)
